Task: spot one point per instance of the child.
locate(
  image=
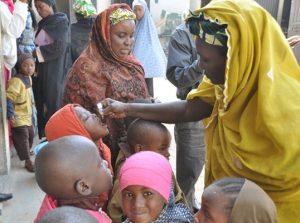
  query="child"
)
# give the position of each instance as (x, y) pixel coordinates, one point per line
(236, 200)
(67, 214)
(19, 108)
(73, 119)
(142, 135)
(71, 172)
(146, 188)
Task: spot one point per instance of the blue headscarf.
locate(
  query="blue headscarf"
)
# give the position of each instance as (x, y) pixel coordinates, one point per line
(147, 48)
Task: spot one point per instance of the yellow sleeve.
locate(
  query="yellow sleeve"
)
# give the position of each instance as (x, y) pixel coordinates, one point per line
(14, 89)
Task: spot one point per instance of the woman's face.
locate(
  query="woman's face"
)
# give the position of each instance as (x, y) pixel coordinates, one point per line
(141, 204)
(43, 9)
(121, 37)
(212, 60)
(214, 206)
(139, 11)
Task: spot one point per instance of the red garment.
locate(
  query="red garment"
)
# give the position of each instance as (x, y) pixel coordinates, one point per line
(10, 5)
(49, 203)
(99, 73)
(65, 122)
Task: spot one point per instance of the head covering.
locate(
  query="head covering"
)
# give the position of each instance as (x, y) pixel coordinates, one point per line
(84, 7)
(147, 47)
(210, 31)
(253, 205)
(99, 73)
(121, 14)
(154, 166)
(252, 131)
(24, 56)
(65, 122)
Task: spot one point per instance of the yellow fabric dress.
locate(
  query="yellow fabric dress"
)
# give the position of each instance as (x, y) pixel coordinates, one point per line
(254, 129)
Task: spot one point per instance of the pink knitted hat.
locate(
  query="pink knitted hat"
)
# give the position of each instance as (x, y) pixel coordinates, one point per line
(148, 169)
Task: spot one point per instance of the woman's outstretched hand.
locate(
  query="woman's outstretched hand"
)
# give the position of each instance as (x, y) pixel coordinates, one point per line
(113, 108)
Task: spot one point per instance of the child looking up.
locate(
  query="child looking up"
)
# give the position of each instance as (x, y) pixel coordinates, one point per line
(142, 135)
(236, 200)
(146, 188)
(71, 172)
(19, 108)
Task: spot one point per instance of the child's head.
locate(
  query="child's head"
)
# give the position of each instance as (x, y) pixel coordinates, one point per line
(139, 7)
(26, 64)
(73, 119)
(145, 183)
(145, 135)
(67, 214)
(234, 200)
(71, 168)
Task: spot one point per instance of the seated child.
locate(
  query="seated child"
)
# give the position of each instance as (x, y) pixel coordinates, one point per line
(142, 135)
(146, 187)
(71, 172)
(19, 108)
(236, 200)
(67, 214)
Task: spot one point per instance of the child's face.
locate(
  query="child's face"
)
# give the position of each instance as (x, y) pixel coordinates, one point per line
(27, 67)
(158, 142)
(100, 175)
(139, 11)
(142, 204)
(92, 123)
(214, 207)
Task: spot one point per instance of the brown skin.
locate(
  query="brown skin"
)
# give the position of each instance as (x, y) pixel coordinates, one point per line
(215, 206)
(121, 37)
(213, 60)
(27, 67)
(157, 141)
(139, 11)
(43, 9)
(142, 204)
(92, 123)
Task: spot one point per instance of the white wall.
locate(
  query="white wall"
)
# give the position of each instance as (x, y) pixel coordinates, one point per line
(102, 4)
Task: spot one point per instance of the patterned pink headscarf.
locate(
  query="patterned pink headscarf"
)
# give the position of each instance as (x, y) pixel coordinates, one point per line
(148, 169)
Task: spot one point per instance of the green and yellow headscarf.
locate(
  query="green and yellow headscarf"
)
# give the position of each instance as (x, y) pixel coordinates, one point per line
(84, 7)
(121, 14)
(210, 31)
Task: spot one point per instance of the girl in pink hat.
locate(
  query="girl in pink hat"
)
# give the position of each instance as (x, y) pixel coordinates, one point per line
(146, 188)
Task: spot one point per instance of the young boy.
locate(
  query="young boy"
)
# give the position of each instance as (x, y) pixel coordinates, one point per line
(142, 135)
(72, 173)
(19, 108)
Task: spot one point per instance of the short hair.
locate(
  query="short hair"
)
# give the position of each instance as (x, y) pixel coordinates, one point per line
(139, 129)
(230, 186)
(67, 214)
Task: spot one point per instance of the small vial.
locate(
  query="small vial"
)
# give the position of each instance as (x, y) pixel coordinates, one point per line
(100, 109)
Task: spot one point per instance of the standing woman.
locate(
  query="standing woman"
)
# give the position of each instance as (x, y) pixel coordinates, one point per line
(53, 60)
(147, 47)
(107, 68)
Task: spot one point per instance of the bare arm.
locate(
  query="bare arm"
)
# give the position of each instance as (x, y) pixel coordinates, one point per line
(172, 112)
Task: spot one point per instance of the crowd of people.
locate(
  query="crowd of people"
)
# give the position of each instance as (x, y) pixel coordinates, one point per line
(104, 155)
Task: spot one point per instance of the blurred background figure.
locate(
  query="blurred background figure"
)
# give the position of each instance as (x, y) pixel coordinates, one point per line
(80, 31)
(147, 47)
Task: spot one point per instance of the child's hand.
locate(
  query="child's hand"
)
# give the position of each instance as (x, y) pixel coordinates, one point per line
(11, 119)
(113, 108)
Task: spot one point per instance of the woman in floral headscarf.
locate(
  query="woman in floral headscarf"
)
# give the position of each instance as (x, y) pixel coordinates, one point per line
(106, 68)
(80, 31)
(249, 100)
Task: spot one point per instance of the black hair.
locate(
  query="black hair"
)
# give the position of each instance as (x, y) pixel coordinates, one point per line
(231, 187)
(138, 129)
